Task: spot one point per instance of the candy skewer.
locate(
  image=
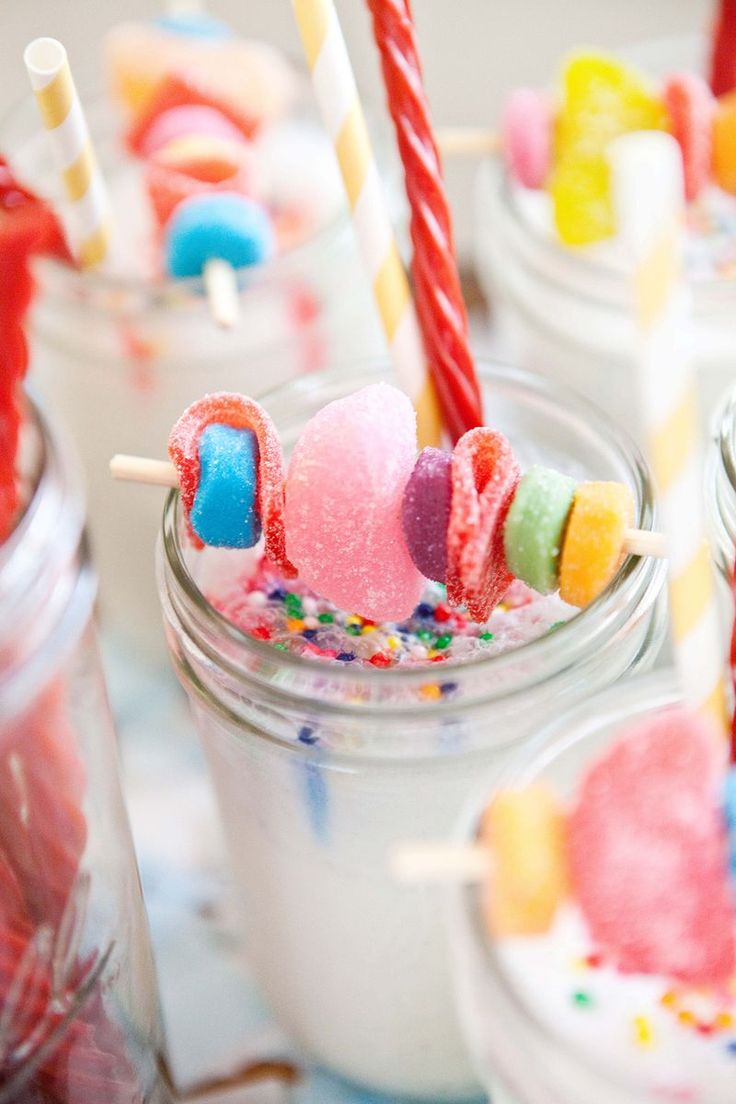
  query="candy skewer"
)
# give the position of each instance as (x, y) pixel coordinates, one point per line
(221, 285)
(337, 95)
(161, 473)
(440, 305)
(424, 864)
(69, 138)
(649, 203)
(468, 141)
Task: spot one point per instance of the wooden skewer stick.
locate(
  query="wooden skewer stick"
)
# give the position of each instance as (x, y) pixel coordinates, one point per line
(468, 141)
(160, 473)
(221, 285)
(425, 864)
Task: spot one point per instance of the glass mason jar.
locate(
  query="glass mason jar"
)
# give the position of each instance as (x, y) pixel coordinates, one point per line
(567, 312)
(503, 1027)
(78, 1008)
(120, 359)
(720, 487)
(355, 967)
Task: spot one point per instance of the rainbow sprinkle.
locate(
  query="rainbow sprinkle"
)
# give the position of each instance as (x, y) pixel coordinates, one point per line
(293, 619)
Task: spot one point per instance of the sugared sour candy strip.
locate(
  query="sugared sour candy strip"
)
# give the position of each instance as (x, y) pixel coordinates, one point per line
(729, 801)
(239, 412)
(690, 105)
(364, 521)
(485, 476)
(251, 81)
(222, 225)
(524, 829)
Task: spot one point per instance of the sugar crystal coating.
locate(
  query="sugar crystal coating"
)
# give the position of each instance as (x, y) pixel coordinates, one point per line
(593, 548)
(648, 854)
(526, 131)
(344, 490)
(425, 512)
(222, 225)
(225, 508)
(691, 105)
(484, 479)
(535, 526)
(228, 408)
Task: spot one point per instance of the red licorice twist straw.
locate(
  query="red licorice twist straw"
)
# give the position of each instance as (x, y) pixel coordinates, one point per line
(723, 49)
(733, 667)
(440, 306)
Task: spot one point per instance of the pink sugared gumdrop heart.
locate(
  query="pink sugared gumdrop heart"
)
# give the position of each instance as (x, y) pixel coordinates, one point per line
(344, 489)
(648, 852)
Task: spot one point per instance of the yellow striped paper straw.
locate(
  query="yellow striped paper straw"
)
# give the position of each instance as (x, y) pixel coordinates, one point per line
(337, 95)
(63, 118)
(649, 201)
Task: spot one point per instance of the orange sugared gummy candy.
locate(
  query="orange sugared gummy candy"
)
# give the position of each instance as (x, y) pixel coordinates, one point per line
(724, 143)
(592, 551)
(526, 832)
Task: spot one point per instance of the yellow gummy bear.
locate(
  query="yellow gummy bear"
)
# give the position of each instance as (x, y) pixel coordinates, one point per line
(601, 98)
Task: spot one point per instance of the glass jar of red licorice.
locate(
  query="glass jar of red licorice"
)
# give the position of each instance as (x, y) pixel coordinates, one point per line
(331, 739)
(598, 1034)
(78, 1008)
(119, 356)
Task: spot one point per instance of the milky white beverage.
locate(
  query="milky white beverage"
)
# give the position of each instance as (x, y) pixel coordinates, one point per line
(119, 355)
(332, 739)
(566, 311)
(597, 1033)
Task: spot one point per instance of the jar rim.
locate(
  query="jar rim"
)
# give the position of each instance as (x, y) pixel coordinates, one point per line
(594, 279)
(635, 580)
(611, 708)
(46, 587)
(162, 293)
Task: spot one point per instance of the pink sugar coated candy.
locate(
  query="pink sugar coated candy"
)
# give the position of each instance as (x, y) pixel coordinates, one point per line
(691, 106)
(228, 408)
(526, 136)
(185, 121)
(425, 512)
(648, 854)
(344, 490)
(485, 476)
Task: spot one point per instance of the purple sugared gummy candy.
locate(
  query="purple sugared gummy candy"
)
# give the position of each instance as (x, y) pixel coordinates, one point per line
(425, 512)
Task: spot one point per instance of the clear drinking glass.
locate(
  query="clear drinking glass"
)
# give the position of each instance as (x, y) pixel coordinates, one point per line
(720, 487)
(566, 312)
(355, 967)
(78, 1008)
(119, 359)
(524, 1052)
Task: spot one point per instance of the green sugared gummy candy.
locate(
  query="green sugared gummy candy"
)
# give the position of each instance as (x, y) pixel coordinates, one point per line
(535, 527)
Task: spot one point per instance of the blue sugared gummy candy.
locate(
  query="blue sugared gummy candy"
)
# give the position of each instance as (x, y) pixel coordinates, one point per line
(224, 225)
(730, 799)
(194, 25)
(224, 511)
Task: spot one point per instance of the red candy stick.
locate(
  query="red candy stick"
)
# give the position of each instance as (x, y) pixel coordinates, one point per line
(733, 668)
(439, 301)
(27, 225)
(723, 49)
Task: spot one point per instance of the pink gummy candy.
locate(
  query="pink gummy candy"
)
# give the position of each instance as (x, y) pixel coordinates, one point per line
(648, 852)
(344, 490)
(526, 136)
(185, 121)
(228, 408)
(485, 476)
(691, 105)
